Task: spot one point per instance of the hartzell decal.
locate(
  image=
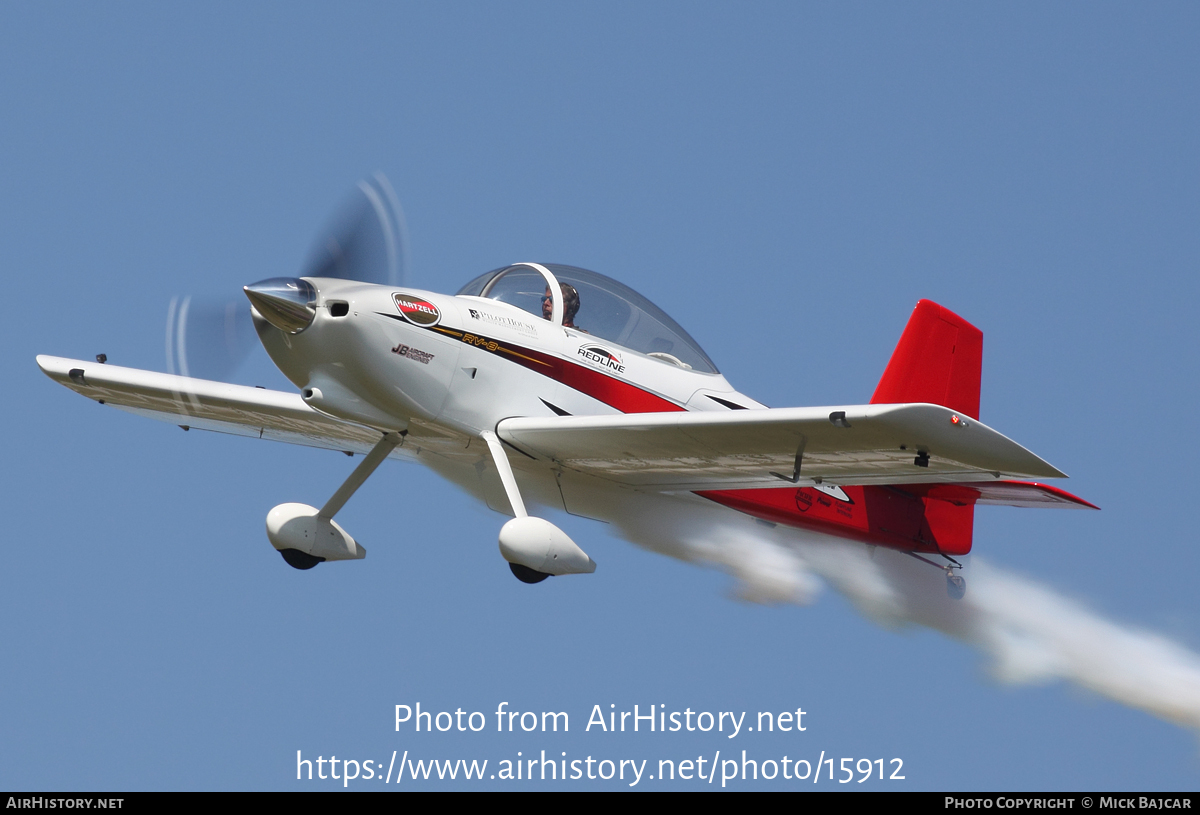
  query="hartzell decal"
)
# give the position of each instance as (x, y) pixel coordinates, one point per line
(603, 357)
(415, 354)
(417, 311)
(520, 326)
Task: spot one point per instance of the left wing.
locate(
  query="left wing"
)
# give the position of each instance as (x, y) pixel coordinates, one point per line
(237, 409)
(856, 444)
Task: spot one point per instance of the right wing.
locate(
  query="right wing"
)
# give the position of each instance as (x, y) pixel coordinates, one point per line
(747, 449)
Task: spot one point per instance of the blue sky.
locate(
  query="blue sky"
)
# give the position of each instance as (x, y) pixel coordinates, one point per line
(785, 180)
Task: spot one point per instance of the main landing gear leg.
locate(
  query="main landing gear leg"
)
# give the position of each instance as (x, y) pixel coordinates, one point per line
(305, 536)
(534, 548)
(956, 584)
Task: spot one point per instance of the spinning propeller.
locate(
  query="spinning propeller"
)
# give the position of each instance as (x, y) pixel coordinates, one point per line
(365, 240)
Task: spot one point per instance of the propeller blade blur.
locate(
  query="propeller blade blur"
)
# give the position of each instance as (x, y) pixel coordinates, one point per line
(366, 240)
(207, 338)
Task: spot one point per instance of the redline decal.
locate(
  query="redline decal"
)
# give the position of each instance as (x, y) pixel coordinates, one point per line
(602, 357)
(417, 311)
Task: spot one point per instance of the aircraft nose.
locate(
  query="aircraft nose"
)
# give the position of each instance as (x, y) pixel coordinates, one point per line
(288, 303)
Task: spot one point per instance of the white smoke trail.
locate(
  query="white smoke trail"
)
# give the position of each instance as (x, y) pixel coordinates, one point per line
(1030, 632)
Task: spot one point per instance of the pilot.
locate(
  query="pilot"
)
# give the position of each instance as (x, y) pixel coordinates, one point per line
(570, 305)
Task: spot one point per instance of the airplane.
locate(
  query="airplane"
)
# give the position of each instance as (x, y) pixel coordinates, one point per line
(550, 386)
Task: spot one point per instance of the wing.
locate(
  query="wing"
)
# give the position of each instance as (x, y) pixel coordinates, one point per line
(221, 407)
(859, 444)
(865, 444)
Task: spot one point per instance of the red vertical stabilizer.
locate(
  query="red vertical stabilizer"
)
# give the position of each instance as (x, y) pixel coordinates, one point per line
(938, 360)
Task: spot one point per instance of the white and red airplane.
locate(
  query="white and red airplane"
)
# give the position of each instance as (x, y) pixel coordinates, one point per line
(549, 385)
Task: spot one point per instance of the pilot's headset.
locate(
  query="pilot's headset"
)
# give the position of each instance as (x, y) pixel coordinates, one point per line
(570, 304)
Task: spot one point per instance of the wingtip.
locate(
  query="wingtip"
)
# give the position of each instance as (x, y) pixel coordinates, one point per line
(1075, 499)
(49, 364)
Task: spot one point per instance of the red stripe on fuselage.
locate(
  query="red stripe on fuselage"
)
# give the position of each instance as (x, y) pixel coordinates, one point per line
(613, 392)
(623, 396)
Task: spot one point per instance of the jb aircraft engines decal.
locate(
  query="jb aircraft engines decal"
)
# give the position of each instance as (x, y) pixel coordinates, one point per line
(599, 355)
(416, 354)
(417, 311)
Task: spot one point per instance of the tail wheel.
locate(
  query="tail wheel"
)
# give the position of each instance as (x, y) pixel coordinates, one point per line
(956, 585)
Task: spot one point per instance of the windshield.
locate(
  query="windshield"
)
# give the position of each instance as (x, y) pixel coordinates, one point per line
(522, 286)
(607, 309)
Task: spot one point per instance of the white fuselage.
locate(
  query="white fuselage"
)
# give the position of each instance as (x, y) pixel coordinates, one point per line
(480, 362)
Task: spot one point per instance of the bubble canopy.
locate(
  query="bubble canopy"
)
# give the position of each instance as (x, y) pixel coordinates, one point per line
(607, 310)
